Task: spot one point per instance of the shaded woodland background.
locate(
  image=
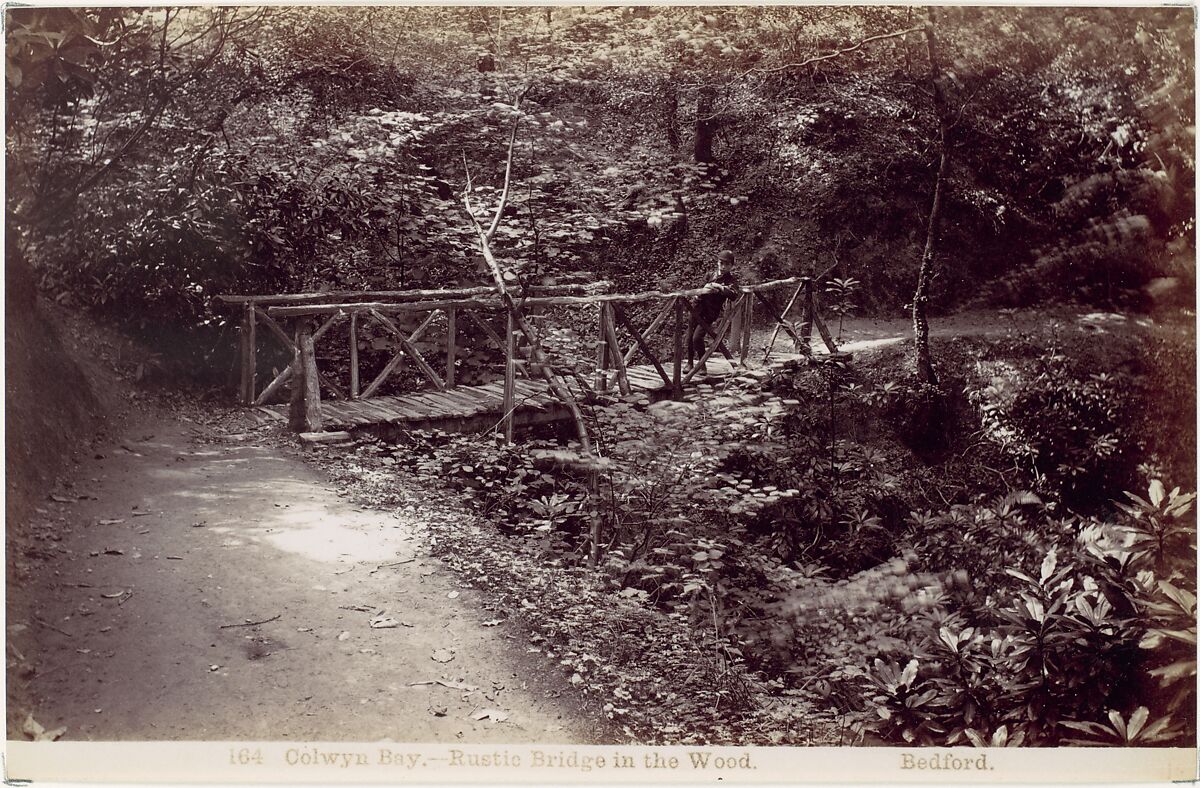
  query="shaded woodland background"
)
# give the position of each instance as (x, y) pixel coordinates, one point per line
(822, 554)
(157, 158)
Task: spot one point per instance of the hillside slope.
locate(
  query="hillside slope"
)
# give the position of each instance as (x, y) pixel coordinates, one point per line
(57, 393)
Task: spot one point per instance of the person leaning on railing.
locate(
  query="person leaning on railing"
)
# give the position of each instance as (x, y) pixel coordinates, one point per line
(720, 289)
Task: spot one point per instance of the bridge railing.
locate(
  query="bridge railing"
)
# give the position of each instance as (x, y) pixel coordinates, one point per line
(257, 322)
(619, 339)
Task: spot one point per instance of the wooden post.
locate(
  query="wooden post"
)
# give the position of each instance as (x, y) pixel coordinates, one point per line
(243, 377)
(614, 350)
(253, 350)
(597, 524)
(747, 327)
(602, 357)
(354, 355)
(735, 326)
(677, 372)
(532, 315)
(509, 380)
(249, 355)
(451, 344)
(305, 413)
(806, 324)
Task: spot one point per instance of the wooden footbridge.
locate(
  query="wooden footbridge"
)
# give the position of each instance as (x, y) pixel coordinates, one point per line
(452, 359)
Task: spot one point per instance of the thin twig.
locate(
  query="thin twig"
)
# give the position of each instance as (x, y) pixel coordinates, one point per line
(51, 626)
(512, 140)
(836, 53)
(253, 623)
(396, 563)
(37, 676)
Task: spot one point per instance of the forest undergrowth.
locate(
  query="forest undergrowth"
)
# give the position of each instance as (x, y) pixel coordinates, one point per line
(831, 554)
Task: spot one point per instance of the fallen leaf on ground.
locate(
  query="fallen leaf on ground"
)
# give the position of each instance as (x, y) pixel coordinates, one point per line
(495, 715)
(114, 552)
(452, 595)
(142, 514)
(384, 622)
(62, 499)
(112, 521)
(437, 711)
(114, 596)
(458, 685)
(442, 655)
(495, 622)
(214, 667)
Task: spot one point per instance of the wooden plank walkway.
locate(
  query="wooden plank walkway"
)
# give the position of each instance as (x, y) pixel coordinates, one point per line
(469, 408)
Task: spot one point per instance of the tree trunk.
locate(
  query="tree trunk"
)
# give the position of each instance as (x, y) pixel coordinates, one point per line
(702, 150)
(923, 358)
(671, 116)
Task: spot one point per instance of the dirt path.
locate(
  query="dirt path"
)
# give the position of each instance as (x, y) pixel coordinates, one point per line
(121, 630)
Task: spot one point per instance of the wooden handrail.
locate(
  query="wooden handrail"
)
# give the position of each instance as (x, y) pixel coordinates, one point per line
(402, 296)
(533, 301)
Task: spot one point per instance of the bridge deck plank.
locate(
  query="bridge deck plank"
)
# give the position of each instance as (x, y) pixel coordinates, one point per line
(461, 404)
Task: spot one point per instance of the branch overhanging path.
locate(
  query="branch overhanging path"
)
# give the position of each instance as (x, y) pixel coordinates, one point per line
(560, 389)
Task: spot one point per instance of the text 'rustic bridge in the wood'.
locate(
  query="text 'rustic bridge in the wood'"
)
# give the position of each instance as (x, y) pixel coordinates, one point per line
(453, 359)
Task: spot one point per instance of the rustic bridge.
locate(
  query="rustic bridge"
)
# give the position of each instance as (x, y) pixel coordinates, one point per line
(468, 368)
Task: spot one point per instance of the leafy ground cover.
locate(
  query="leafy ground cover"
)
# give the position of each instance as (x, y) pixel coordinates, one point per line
(658, 679)
(832, 554)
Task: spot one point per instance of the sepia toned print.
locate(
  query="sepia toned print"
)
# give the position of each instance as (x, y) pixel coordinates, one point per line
(600, 393)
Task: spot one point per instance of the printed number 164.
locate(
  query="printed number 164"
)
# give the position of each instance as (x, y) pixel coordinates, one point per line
(245, 756)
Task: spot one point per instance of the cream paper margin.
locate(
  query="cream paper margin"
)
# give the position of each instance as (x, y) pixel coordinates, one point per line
(385, 762)
(416, 764)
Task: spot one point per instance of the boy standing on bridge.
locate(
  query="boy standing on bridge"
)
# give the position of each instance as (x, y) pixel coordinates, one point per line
(721, 288)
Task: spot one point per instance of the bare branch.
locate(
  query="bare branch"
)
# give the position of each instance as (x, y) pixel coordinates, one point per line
(512, 142)
(166, 92)
(837, 53)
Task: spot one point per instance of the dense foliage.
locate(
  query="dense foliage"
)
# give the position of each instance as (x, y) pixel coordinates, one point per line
(158, 157)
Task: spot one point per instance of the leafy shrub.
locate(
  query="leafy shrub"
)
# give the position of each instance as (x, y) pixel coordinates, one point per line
(1047, 655)
(1068, 428)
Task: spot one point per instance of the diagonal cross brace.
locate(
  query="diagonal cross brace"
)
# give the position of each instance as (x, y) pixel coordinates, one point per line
(406, 346)
(288, 371)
